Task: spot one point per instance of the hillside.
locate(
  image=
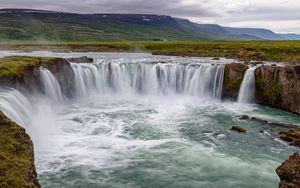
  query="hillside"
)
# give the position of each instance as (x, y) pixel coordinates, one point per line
(258, 32)
(38, 25)
(32, 25)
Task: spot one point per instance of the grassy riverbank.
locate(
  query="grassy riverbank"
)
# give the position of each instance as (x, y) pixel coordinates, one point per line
(11, 67)
(278, 51)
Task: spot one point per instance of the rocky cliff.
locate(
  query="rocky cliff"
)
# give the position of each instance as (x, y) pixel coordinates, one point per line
(233, 77)
(279, 87)
(16, 148)
(289, 172)
(16, 156)
(23, 73)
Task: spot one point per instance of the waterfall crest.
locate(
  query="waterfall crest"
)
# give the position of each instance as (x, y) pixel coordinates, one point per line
(204, 80)
(51, 86)
(247, 89)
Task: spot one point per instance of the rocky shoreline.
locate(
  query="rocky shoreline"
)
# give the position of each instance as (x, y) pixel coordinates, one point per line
(289, 172)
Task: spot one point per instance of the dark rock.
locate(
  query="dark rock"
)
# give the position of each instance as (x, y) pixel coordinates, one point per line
(278, 87)
(243, 117)
(216, 58)
(289, 172)
(238, 129)
(292, 136)
(83, 59)
(233, 77)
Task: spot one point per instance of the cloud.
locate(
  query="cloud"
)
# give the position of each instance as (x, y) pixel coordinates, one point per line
(246, 13)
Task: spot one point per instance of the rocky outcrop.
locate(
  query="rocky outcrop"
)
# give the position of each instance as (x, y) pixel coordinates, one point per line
(233, 77)
(292, 136)
(16, 156)
(289, 172)
(83, 59)
(27, 78)
(279, 87)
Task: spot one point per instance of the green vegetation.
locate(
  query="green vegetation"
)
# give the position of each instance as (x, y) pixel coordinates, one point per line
(278, 51)
(271, 89)
(15, 66)
(16, 156)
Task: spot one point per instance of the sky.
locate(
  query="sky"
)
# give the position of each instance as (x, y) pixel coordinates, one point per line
(282, 16)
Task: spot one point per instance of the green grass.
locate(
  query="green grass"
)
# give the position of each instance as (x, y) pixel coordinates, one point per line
(278, 51)
(11, 67)
(16, 156)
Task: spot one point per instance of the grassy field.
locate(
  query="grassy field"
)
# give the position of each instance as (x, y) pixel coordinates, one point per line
(278, 51)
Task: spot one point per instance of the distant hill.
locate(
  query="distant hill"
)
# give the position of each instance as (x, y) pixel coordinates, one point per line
(258, 32)
(291, 36)
(39, 25)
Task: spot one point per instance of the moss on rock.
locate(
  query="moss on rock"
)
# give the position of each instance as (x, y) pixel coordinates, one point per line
(15, 66)
(233, 77)
(16, 156)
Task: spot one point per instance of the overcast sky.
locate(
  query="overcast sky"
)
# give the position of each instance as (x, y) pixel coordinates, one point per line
(278, 15)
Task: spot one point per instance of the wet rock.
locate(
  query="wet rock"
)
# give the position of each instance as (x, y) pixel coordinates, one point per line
(216, 58)
(238, 129)
(292, 136)
(83, 59)
(289, 172)
(243, 117)
(233, 77)
(279, 87)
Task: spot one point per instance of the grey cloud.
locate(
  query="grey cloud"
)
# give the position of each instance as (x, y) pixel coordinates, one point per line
(215, 11)
(170, 7)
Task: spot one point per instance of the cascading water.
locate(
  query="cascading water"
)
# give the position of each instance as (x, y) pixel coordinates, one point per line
(148, 78)
(144, 141)
(16, 106)
(247, 89)
(51, 86)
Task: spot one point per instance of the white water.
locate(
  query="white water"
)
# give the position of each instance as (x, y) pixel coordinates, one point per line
(51, 86)
(203, 80)
(16, 106)
(247, 89)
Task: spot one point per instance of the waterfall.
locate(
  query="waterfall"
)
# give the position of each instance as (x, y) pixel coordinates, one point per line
(51, 86)
(15, 105)
(247, 89)
(148, 78)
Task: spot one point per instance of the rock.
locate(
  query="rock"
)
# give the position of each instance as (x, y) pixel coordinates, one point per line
(238, 129)
(278, 87)
(289, 172)
(243, 117)
(83, 59)
(292, 136)
(17, 167)
(28, 79)
(233, 77)
(216, 58)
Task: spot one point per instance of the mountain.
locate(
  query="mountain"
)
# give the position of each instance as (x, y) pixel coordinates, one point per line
(258, 32)
(290, 36)
(40, 25)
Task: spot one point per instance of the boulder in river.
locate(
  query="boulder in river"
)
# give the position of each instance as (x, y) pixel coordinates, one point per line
(292, 136)
(243, 117)
(289, 172)
(238, 129)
